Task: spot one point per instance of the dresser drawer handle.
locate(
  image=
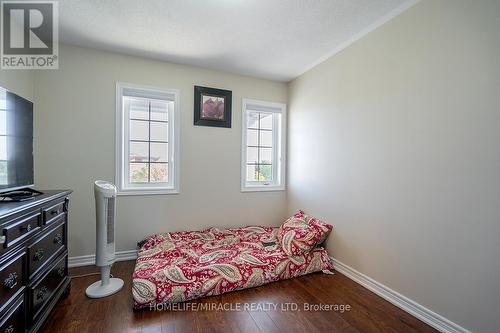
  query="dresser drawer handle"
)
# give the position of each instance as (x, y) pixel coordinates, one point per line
(54, 212)
(11, 281)
(61, 271)
(58, 239)
(9, 329)
(25, 228)
(40, 294)
(38, 255)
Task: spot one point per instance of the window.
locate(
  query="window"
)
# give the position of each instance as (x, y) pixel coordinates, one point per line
(263, 143)
(147, 151)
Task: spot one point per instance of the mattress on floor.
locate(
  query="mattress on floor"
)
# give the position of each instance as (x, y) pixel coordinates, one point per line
(180, 266)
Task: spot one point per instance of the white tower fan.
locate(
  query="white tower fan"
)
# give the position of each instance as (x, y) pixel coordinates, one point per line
(105, 198)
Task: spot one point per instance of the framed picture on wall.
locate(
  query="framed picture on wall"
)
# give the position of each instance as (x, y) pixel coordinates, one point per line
(212, 107)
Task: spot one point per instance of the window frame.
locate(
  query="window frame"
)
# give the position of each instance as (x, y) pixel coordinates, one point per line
(279, 146)
(123, 140)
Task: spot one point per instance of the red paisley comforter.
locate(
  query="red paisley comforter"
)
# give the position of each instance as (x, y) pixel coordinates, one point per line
(180, 266)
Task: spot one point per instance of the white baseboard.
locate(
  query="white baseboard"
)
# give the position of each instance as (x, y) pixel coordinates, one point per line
(427, 316)
(90, 259)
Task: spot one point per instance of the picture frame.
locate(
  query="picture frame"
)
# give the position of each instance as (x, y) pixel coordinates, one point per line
(212, 107)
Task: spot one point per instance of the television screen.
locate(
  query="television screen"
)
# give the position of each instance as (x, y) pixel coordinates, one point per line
(16, 141)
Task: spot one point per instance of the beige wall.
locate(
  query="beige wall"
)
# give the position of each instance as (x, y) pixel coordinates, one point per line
(75, 122)
(18, 81)
(396, 142)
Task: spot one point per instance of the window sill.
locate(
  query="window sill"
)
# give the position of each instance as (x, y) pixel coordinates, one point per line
(147, 192)
(262, 188)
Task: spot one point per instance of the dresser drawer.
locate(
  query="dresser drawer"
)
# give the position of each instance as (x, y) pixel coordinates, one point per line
(43, 290)
(14, 321)
(20, 229)
(50, 214)
(11, 278)
(49, 245)
(33, 260)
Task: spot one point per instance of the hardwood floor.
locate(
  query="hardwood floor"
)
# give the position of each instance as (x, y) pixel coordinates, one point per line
(368, 313)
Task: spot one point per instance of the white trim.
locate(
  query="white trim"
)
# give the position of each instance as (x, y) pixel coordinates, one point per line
(262, 188)
(174, 147)
(419, 311)
(279, 175)
(147, 192)
(384, 19)
(89, 260)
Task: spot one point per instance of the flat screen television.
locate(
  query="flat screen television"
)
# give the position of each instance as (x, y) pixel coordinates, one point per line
(16, 142)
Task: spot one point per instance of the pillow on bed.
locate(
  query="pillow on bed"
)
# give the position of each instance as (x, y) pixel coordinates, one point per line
(324, 229)
(301, 233)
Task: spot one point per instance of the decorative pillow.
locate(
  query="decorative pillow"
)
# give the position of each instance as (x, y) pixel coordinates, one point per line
(324, 229)
(301, 233)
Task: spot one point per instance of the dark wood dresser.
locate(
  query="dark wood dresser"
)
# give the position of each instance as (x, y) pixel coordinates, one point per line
(33, 260)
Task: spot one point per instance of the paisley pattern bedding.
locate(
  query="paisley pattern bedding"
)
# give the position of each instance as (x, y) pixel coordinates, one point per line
(301, 233)
(180, 266)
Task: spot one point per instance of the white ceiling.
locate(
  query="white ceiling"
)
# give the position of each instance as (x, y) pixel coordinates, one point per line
(274, 39)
